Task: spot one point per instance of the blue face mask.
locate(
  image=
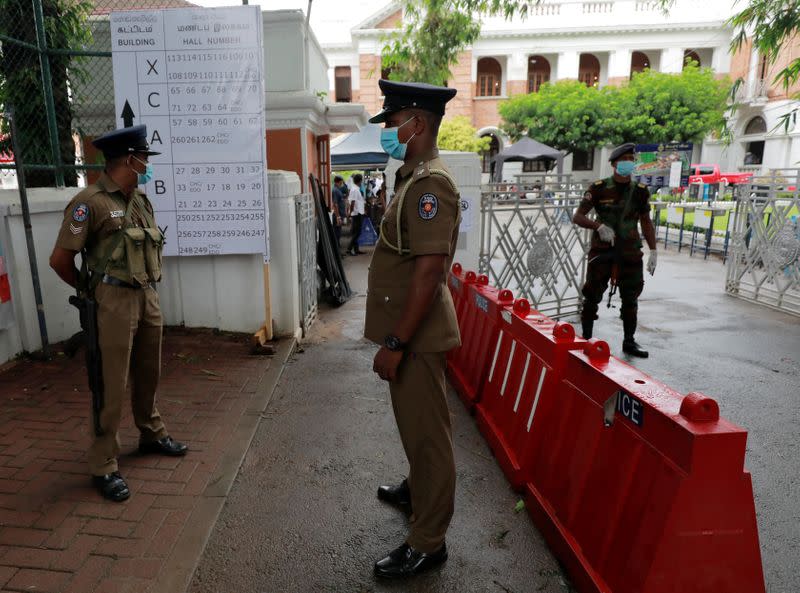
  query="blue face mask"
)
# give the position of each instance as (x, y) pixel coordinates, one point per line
(625, 168)
(147, 176)
(390, 141)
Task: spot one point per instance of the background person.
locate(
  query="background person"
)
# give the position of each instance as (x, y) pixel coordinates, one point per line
(357, 210)
(616, 254)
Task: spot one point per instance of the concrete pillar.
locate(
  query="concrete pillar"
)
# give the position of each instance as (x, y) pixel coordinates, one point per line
(284, 260)
(568, 65)
(619, 65)
(721, 60)
(672, 60)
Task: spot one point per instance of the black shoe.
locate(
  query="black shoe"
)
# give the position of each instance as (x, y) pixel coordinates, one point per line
(112, 486)
(586, 329)
(406, 562)
(630, 346)
(165, 446)
(399, 495)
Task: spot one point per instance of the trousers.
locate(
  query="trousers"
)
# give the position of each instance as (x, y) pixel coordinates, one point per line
(419, 399)
(129, 333)
(630, 280)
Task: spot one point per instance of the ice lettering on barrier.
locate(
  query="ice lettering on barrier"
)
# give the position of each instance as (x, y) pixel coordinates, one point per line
(506, 315)
(482, 303)
(630, 407)
(625, 404)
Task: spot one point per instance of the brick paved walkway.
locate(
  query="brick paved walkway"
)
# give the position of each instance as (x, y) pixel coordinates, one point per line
(58, 535)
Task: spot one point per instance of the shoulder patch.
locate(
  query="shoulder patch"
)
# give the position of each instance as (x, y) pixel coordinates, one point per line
(80, 212)
(428, 206)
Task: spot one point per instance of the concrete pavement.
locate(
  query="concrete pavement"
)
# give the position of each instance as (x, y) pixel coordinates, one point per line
(303, 514)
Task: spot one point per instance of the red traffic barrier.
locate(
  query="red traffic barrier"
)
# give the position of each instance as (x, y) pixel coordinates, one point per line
(528, 358)
(467, 366)
(640, 489)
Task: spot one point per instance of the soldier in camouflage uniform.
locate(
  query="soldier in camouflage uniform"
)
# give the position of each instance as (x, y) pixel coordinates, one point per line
(621, 205)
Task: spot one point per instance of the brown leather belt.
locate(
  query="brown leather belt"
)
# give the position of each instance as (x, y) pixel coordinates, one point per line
(110, 280)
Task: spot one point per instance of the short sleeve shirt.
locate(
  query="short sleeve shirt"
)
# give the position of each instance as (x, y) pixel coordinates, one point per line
(428, 225)
(358, 198)
(97, 212)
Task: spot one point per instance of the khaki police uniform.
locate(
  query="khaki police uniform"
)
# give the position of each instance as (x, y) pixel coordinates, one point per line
(123, 246)
(426, 223)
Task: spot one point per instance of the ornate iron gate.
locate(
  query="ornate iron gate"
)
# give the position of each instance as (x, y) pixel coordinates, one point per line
(764, 266)
(529, 244)
(306, 259)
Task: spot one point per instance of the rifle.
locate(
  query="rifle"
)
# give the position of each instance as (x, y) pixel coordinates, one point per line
(87, 309)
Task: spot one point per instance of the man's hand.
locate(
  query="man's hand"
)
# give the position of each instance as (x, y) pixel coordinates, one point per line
(606, 234)
(386, 363)
(651, 262)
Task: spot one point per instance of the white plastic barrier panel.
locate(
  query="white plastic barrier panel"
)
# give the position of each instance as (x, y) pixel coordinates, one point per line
(195, 76)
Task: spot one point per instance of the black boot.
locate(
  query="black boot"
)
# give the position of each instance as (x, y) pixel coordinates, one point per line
(629, 346)
(399, 495)
(586, 328)
(406, 562)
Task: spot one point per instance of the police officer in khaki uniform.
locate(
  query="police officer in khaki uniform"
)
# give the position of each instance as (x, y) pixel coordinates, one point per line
(616, 254)
(112, 223)
(410, 313)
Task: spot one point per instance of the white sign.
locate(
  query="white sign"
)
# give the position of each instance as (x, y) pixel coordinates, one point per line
(195, 77)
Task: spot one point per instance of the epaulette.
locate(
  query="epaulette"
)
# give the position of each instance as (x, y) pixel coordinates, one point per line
(422, 170)
(86, 193)
(642, 185)
(599, 182)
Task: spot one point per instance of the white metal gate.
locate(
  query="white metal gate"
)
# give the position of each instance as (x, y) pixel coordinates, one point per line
(307, 259)
(529, 243)
(764, 266)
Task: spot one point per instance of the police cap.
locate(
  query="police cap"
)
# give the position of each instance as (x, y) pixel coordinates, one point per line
(418, 95)
(622, 149)
(124, 141)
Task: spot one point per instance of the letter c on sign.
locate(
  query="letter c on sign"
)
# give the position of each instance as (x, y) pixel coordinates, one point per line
(626, 405)
(150, 99)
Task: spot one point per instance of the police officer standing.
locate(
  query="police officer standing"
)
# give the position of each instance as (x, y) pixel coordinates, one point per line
(616, 254)
(410, 314)
(112, 223)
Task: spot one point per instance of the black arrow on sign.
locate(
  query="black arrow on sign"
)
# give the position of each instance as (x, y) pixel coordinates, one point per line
(127, 115)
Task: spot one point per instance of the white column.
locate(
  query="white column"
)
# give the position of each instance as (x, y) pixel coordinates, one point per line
(619, 63)
(517, 66)
(672, 60)
(721, 60)
(568, 64)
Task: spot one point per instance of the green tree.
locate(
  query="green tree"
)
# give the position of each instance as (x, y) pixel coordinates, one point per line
(65, 24)
(566, 115)
(434, 32)
(654, 107)
(657, 107)
(457, 133)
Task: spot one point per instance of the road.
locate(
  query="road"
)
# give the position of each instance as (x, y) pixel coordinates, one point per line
(303, 515)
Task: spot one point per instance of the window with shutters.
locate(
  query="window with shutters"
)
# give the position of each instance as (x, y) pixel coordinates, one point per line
(490, 78)
(344, 84)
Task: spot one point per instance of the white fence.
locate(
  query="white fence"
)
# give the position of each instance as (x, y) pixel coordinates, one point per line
(224, 292)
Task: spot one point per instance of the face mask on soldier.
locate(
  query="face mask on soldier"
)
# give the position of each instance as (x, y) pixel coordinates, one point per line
(143, 178)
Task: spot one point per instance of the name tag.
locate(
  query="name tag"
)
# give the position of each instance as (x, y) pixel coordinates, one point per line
(117, 213)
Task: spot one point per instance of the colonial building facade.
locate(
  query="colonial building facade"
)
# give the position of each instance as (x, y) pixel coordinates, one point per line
(584, 40)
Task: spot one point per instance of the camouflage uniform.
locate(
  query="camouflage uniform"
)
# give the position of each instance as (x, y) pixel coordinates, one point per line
(608, 199)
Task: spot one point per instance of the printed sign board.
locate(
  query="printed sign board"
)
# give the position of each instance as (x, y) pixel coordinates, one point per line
(195, 77)
(654, 163)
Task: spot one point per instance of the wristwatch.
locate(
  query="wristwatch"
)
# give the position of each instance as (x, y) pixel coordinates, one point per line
(393, 343)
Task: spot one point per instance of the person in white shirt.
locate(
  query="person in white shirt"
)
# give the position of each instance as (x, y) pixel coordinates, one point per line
(357, 202)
